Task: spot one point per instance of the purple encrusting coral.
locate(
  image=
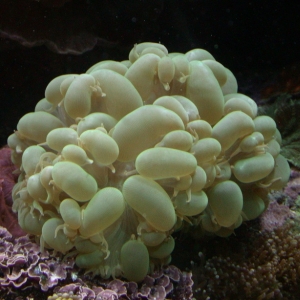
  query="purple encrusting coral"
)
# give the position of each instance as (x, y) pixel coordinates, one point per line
(24, 270)
(22, 265)
(168, 283)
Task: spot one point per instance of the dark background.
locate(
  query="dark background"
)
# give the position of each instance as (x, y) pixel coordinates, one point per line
(39, 40)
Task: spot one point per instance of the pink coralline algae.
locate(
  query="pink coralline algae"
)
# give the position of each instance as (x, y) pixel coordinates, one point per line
(8, 218)
(275, 216)
(283, 204)
(292, 190)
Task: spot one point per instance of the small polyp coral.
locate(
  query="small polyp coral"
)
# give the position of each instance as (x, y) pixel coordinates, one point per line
(258, 264)
(114, 160)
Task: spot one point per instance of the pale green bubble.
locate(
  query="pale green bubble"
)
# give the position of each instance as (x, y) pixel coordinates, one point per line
(134, 260)
(77, 101)
(161, 162)
(31, 157)
(265, 125)
(206, 149)
(30, 222)
(198, 180)
(153, 238)
(73, 180)
(75, 154)
(226, 201)
(89, 260)
(204, 90)
(177, 139)
(163, 250)
(52, 92)
(254, 168)
(172, 104)
(58, 138)
(192, 207)
(253, 205)
(121, 98)
(166, 71)
(106, 206)
(71, 213)
(143, 128)
(36, 125)
(94, 120)
(150, 200)
(57, 241)
(280, 175)
(86, 245)
(103, 148)
(232, 127)
(35, 188)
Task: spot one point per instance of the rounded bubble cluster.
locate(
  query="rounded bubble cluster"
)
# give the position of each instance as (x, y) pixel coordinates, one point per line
(114, 160)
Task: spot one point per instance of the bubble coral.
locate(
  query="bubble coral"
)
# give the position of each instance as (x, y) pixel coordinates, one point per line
(114, 160)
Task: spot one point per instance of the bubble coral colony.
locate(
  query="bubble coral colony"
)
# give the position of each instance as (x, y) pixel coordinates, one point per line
(114, 160)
